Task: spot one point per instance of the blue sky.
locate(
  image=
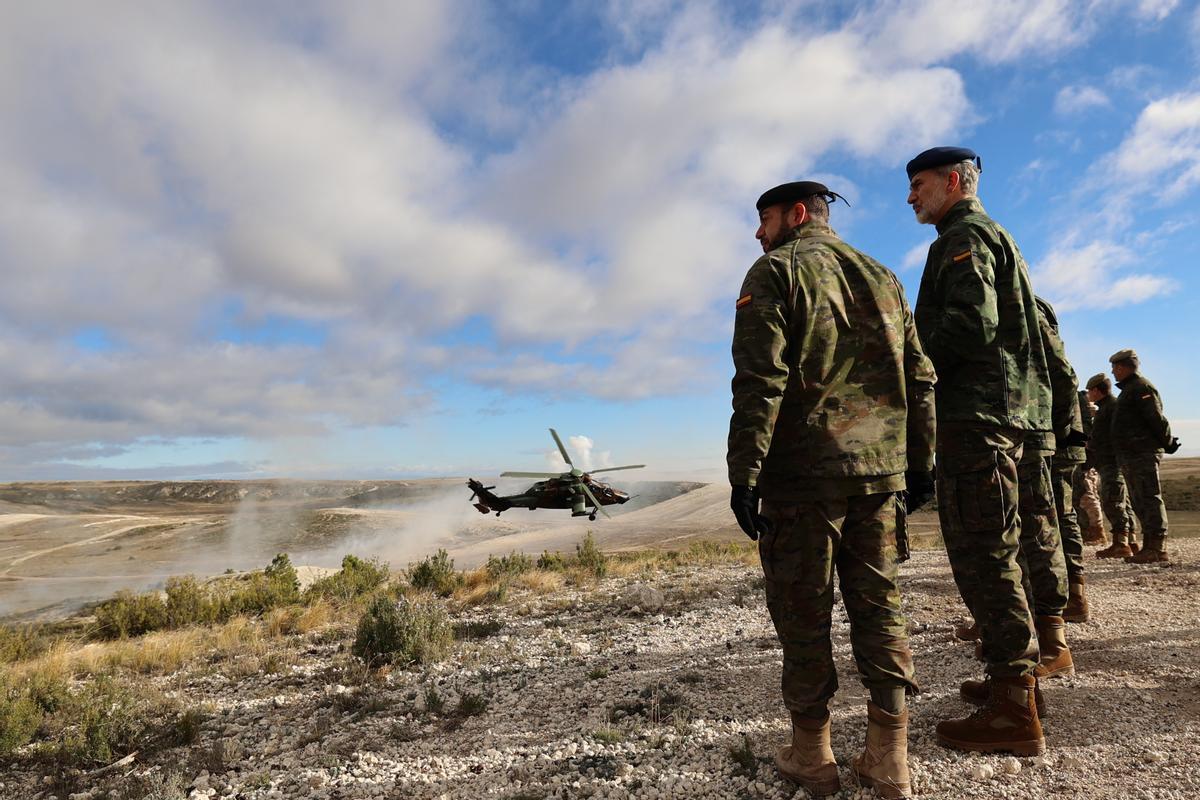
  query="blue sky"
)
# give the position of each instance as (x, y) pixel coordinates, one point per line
(403, 239)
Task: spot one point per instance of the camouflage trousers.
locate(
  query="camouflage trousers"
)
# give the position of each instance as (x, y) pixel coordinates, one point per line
(809, 540)
(1145, 495)
(1062, 477)
(977, 494)
(1115, 500)
(1085, 497)
(1043, 565)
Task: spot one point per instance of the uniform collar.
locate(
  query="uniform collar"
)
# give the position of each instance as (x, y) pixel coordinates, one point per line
(968, 205)
(1127, 381)
(807, 230)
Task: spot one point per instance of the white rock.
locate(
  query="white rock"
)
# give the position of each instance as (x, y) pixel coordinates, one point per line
(581, 648)
(982, 772)
(1010, 766)
(643, 597)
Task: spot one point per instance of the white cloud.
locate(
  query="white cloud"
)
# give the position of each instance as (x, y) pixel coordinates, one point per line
(915, 257)
(1072, 100)
(162, 164)
(1163, 150)
(1091, 276)
(1155, 10)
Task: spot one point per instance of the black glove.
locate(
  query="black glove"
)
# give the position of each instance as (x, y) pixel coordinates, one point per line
(744, 502)
(921, 488)
(1073, 438)
(1173, 446)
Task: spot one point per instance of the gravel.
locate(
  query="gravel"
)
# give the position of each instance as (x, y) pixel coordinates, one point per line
(588, 694)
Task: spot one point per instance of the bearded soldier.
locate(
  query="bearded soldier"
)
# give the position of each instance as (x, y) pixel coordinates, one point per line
(979, 323)
(833, 418)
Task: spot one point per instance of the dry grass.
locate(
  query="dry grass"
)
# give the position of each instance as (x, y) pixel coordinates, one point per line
(540, 581)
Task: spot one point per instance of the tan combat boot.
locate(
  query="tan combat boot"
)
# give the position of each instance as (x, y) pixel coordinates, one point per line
(1077, 605)
(967, 633)
(1008, 723)
(1094, 534)
(1153, 553)
(979, 692)
(1119, 547)
(808, 760)
(883, 765)
(1052, 644)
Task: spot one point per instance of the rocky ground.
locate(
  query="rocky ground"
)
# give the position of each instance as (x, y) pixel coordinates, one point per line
(666, 686)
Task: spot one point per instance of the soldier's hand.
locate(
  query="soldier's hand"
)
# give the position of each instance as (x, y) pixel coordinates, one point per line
(1173, 446)
(744, 502)
(921, 489)
(1073, 438)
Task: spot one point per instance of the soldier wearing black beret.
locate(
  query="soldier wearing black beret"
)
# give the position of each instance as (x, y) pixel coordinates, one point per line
(978, 322)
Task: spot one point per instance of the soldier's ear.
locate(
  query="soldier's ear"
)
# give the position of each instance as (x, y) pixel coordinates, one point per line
(798, 215)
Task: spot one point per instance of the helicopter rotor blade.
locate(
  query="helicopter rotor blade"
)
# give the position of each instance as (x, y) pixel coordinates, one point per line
(592, 497)
(530, 474)
(614, 469)
(561, 449)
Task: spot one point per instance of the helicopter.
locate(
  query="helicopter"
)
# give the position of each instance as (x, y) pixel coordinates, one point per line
(576, 490)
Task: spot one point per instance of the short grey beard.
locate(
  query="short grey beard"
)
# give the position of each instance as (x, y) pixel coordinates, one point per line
(926, 215)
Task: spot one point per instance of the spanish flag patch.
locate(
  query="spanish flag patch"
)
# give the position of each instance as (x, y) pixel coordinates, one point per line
(743, 300)
(963, 256)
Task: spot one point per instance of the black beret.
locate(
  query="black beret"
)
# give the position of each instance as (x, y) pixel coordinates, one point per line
(795, 192)
(940, 157)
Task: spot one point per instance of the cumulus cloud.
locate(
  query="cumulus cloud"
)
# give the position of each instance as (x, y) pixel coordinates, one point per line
(1094, 276)
(1163, 149)
(165, 164)
(1072, 100)
(1155, 10)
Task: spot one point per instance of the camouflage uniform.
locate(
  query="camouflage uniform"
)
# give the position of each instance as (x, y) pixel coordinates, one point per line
(1103, 456)
(1085, 482)
(1140, 432)
(1067, 416)
(977, 319)
(832, 402)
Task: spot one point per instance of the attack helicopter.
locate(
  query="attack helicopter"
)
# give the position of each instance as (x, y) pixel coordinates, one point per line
(576, 490)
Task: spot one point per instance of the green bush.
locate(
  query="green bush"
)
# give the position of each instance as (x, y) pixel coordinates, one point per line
(590, 558)
(509, 566)
(551, 562)
(129, 614)
(188, 603)
(435, 573)
(19, 720)
(411, 631)
(21, 642)
(355, 579)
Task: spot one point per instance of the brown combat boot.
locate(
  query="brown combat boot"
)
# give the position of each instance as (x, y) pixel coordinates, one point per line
(967, 633)
(883, 765)
(1052, 644)
(1008, 723)
(1077, 605)
(1094, 535)
(979, 692)
(1119, 547)
(1152, 553)
(808, 760)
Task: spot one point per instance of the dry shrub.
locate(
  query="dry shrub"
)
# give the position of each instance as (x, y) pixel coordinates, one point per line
(541, 581)
(411, 631)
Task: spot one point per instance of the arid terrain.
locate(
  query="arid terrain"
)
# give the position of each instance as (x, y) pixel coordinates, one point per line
(652, 672)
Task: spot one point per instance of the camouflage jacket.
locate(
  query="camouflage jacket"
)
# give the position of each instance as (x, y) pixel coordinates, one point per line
(1100, 443)
(1138, 422)
(830, 381)
(1065, 414)
(978, 322)
(1087, 411)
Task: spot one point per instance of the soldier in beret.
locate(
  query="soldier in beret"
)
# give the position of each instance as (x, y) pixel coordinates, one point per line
(978, 321)
(1102, 454)
(1141, 434)
(833, 419)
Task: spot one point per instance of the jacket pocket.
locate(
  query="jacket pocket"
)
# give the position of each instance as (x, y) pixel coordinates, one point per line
(985, 491)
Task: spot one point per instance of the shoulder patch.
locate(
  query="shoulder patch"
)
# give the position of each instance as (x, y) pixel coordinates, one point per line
(963, 256)
(744, 300)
